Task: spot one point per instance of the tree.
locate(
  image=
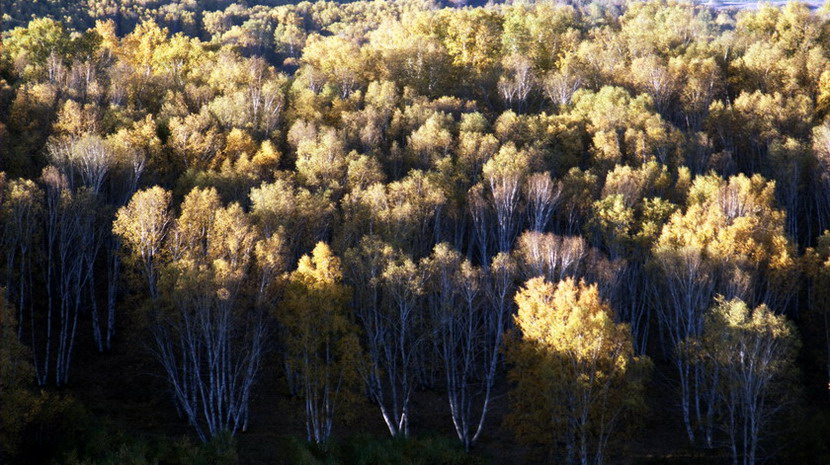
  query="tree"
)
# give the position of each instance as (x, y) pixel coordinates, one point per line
(195, 140)
(321, 161)
(559, 86)
(730, 240)
(554, 257)
(29, 124)
(574, 369)
(339, 59)
(289, 35)
(405, 213)
(471, 38)
(21, 213)
(387, 309)
(821, 151)
(468, 334)
(86, 162)
(579, 189)
(516, 87)
(320, 340)
(625, 128)
(430, 142)
(65, 219)
(413, 57)
(16, 373)
(252, 94)
(817, 317)
(40, 48)
(301, 216)
(651, 76)
(701, 82)
(749, 355)
(543, 195)
(207, 334)
(143, 226)
(504, 175)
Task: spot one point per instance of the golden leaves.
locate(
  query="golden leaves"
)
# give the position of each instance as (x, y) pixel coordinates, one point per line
(569, 358)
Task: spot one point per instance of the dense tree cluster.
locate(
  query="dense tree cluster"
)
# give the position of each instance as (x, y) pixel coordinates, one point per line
(394, 196)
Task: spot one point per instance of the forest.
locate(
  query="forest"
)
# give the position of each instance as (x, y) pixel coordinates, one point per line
(414, 232)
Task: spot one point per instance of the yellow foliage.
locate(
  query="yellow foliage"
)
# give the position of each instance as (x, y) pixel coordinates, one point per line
(570, 360)
(320, 340)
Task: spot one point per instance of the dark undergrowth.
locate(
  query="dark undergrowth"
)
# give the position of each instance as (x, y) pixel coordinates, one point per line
(371, 450)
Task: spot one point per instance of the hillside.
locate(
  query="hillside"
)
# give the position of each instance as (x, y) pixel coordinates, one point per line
(414, 233)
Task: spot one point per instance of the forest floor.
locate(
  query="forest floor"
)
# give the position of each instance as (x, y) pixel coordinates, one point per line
(126, 387)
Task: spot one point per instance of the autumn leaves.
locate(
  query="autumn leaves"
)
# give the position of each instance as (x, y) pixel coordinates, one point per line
(363, 187)
(576, 374)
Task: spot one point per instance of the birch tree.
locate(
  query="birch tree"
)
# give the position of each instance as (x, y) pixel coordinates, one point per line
(504, 175)
(731, 241)
(85, 162)
(574, 369)
(143, 225)
(552, 256)
(750, 356)
(387, 309)
(468, 335)
(208, 334)
(543, 195)
(320, 339)
(133, 150)
(519, 81)
(53, 333)
(21, 212)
